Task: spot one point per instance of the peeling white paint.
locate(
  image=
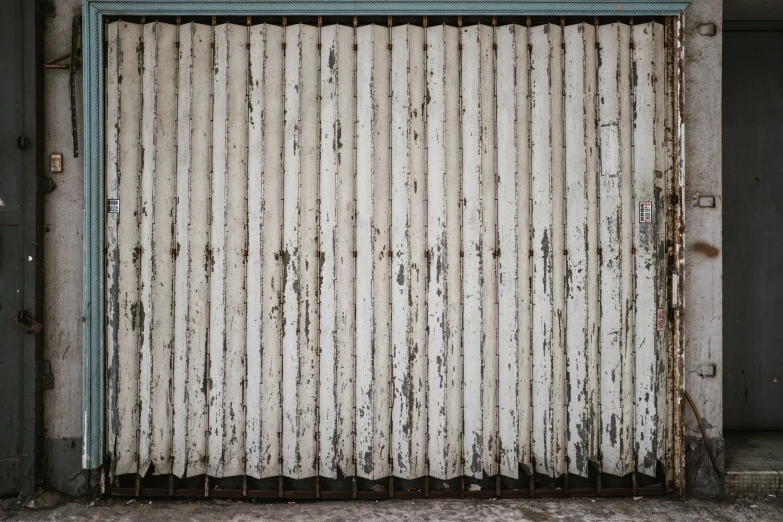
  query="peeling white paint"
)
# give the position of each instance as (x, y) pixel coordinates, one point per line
(384, 260)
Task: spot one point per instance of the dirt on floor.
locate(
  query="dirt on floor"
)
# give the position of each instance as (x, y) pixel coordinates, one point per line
(52, 507)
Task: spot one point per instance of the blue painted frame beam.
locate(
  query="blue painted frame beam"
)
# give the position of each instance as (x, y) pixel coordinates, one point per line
(94, 212)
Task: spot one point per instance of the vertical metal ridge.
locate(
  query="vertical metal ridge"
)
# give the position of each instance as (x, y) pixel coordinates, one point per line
(272, 114)
(628, 271)
(453, 198)
(355, 336)
(543, 244)
(309, 260)
(182, 249)
(146, 279)
(472, 273)
(509, 191)
(163, 242)
(425, 263)
(525, 254)
(598, 262)
(346, 215)
(243, 461)
(318, 262)
(436, 236)
(577, 272)
(113, 181)
(418, 244)
(559, 319)
(404, 386)
(373, 282)
(235, 230)
(328, 396)
(256, 248)
(217, 315)
(283, 258)
(365, 264)
(292, 166)
(199, 210)
(489, 252)
(593, 258)
(381, 192)
(616, 399)
(301, 246)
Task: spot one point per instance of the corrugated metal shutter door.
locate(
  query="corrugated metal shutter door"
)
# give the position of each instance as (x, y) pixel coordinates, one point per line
(386, 251)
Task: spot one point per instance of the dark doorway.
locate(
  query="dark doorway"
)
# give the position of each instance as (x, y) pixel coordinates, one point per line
(753, 227)
(20, 250)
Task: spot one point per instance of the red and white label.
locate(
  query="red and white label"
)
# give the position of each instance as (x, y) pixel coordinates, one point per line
(659, 323)
(645, 212)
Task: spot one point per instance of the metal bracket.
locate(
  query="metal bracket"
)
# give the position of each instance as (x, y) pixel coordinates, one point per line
(45, 378)
(30, 325)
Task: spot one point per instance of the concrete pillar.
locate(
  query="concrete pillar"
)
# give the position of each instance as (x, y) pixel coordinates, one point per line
(703, 291)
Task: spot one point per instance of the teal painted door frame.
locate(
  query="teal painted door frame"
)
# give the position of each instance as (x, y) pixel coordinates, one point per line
(94, 12)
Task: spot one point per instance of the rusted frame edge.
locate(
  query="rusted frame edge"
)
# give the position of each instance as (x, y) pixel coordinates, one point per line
(676, 268)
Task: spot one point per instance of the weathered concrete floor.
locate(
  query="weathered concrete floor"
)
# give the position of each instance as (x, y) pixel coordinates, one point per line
(116, 510)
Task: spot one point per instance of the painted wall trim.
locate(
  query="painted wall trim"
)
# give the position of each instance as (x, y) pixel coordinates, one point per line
(393, 7)
(93, 364)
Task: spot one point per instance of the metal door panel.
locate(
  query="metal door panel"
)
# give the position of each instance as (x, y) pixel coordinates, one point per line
(372, 252)
(21, 233)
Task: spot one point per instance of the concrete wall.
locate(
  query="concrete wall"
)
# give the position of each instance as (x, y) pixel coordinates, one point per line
(703, 243)
(63, 214)
(63, 228)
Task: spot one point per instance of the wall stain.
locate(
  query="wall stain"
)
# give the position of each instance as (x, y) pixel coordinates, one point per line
(706, 249)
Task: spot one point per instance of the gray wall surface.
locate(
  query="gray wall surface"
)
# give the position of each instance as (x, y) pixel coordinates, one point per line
(63, 228)
(63, 217)
(703, 284)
